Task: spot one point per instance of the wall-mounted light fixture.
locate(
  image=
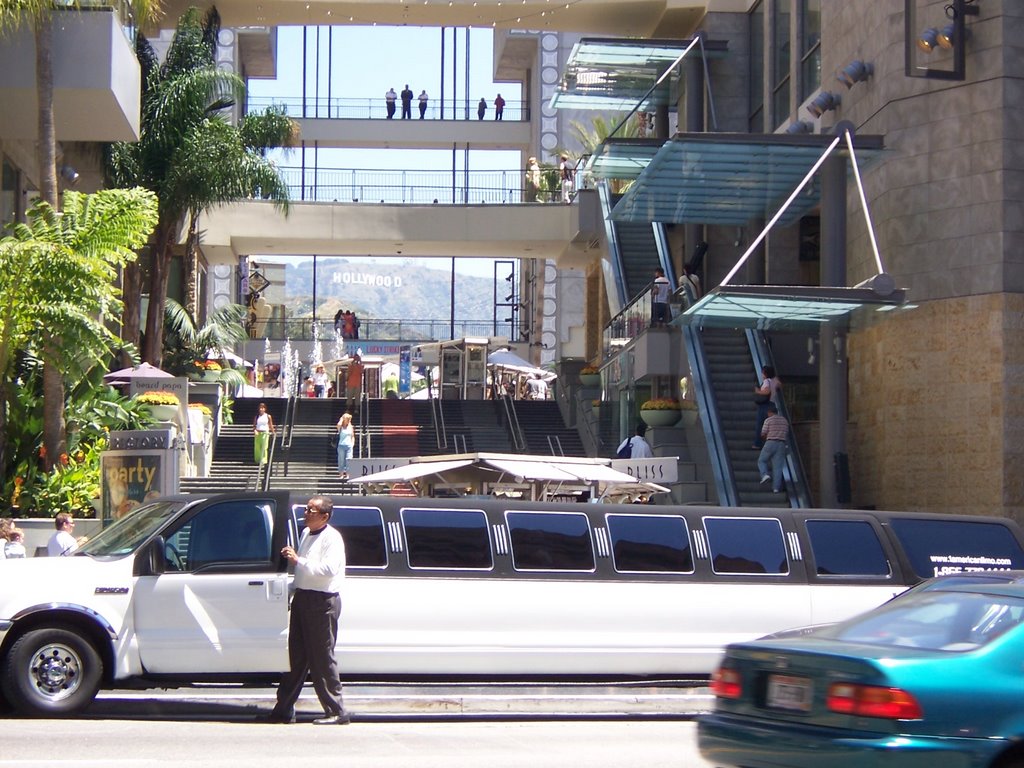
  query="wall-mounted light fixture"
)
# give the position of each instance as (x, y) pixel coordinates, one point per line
(855, 72)
(823, 102)
(950, 36)
(69, 174)
(799, 127)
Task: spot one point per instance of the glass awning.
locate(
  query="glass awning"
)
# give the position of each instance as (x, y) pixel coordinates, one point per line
(724, 179)
(773, 307)
(614, 74)
(623, 158)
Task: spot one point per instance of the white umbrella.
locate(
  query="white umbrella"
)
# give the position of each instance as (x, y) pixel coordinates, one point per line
(505, 358)
(141, 371)
(226, 354)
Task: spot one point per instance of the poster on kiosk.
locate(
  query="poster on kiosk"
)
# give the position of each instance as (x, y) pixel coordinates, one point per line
(139, 466)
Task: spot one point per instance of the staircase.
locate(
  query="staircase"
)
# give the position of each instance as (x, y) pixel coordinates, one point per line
(732, 381)
(545, 430)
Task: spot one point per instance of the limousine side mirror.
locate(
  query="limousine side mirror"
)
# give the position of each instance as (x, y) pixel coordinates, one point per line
(150, 561)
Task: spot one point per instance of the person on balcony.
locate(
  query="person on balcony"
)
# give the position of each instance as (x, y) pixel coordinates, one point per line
(499, 107)
(423, 103)
(407, 103)
(390, 98)
(481, 109)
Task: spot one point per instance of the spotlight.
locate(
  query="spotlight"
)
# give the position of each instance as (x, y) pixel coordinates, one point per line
(800, 126)
(69, 174)
(947, 37)
(823, 102)
(928, 40)
(855, 72)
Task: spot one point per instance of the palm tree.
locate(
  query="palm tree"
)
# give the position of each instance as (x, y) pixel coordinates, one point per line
(58, 272)
(191, 156)
(185, 342)
(15, 14)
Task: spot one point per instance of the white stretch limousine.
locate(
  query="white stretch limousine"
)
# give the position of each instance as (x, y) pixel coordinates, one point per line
(193, 589)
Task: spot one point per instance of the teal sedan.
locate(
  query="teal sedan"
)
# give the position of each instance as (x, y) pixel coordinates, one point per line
(934, 679)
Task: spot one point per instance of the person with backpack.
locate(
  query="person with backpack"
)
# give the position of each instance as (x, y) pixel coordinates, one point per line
(635, 447)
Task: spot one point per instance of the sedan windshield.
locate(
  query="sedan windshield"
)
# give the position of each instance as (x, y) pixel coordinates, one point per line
(947, 621)
(129, 533)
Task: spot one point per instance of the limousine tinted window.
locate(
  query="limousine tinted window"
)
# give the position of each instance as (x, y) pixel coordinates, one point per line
(362, 528)
(550, 541)
(748, 545)
(846, 548)
(447, 538)
(650, 544)
(936, 547)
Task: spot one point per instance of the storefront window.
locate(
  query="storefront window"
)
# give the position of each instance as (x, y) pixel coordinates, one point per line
(757, 68)
(810, 47)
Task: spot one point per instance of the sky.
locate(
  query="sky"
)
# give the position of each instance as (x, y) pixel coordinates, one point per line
(365, 62)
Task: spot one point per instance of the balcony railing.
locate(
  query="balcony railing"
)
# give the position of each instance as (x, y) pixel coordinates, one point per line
(635, 318)
(360, 185)
(380, 329)
(320, 107)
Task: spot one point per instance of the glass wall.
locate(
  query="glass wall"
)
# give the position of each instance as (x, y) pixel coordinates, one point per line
(757, 68)
(781, 58)
(810, 47)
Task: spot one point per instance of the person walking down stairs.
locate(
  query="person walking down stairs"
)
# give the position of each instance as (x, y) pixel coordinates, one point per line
(262, 429)
(346, 440)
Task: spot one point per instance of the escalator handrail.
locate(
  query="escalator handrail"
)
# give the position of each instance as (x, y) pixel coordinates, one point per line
(664, 252)
(614, 249)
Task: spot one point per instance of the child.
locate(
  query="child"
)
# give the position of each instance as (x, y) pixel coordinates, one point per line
(15, 546)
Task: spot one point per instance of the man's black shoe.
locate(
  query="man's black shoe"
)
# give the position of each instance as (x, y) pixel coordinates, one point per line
(276, 719)
(342, 719)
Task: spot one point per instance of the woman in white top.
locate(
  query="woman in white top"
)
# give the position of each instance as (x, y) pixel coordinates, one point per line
(262, 429)
(346, 440)
(320, 382)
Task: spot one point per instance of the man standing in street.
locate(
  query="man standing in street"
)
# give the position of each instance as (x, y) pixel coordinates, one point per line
(313, 628)
(775, 433)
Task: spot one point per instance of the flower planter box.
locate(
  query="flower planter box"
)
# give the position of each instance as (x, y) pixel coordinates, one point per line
(590, 379)
(163, 412)
(660, 418)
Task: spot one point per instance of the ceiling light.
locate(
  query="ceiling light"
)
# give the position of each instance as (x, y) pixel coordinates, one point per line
(928, 40)
(947, 37)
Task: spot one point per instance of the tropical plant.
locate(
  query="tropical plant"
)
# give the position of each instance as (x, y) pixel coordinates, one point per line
(186, 346)
(191, 156)
(158, 398)
(38, 14)
(58, 272)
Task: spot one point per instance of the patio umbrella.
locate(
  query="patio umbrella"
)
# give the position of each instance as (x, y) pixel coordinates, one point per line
(143, 370)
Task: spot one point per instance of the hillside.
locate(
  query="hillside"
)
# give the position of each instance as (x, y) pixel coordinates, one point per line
(391, 289)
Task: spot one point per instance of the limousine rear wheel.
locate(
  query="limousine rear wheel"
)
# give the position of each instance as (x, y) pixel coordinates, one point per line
(52, 672)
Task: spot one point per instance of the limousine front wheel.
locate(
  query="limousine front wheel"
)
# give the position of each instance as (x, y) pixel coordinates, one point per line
(52, 672)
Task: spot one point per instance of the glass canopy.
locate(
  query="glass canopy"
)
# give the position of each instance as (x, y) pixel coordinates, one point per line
(615, 74)
(773, 307)
(725, 179)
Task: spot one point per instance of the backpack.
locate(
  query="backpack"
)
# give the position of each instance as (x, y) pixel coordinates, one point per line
(626, 451)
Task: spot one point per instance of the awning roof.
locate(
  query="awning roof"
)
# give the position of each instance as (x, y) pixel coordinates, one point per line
(533, 470)
(790, 307)
(613, 74)
(716, 178)
(412, 471)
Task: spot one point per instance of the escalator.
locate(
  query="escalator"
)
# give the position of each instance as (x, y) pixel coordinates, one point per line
(636, 250)
(725, 365)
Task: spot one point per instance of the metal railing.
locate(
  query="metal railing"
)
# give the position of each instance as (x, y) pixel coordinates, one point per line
(514, 427)
(635, 318)
(405, 187)
(348, 108)
(301, 329)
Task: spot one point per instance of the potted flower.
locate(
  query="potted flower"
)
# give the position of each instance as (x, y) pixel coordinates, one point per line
(203, 409)
(660, 412)
(595, 407)
(206, 370)
(590, 376)
(163, 406)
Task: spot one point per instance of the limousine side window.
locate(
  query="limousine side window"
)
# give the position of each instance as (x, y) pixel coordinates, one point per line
(650, 544)
(230, 536)
(550, 541)
(846, 548)
(447, 538)
(935, 547)
(746, 545)
(362, 528)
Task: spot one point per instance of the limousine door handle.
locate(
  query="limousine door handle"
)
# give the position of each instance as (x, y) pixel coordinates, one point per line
(255, 583)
